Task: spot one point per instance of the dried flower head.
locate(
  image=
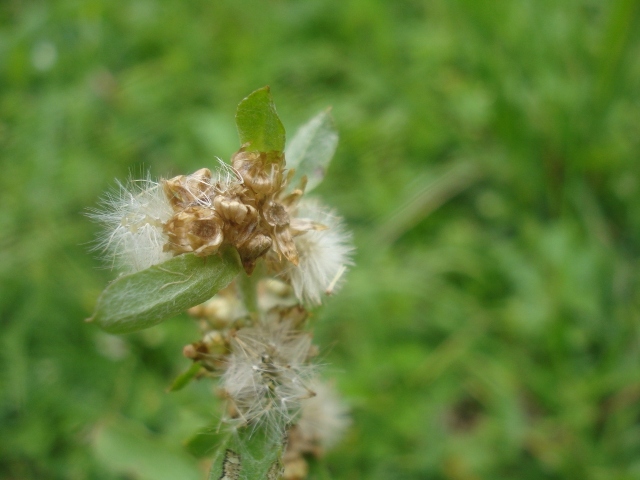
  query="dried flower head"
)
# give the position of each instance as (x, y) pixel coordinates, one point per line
(243, 205)
(261, 171)
(267, 374)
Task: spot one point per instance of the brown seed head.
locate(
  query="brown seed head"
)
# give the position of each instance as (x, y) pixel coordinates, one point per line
(252, 249)
(275, 215)
(261, 171)
(284, 244)
(234, 210)
(187, 190)
(194, 229)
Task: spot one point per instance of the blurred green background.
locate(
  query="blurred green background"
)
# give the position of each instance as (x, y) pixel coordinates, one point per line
(488, 166)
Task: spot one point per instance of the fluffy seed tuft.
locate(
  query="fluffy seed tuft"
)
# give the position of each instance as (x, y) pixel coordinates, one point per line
(324, 418)
(267, 374)
(133, 217)
(324, 253)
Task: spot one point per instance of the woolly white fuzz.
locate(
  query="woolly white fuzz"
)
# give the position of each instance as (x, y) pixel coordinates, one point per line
(324, 255)
(133, 217)
(267, 374)
(324, 418)
(225, 176)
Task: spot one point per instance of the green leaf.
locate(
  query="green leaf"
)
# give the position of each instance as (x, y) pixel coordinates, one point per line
(258, 123)
(127, 448)
(205, 441)
(185, 377)
(312, 148)
(143, 299)
(249, 453)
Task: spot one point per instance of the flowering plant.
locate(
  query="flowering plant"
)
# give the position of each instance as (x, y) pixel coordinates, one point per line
(246, 253)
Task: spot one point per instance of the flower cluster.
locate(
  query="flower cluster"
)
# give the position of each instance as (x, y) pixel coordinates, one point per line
(247, 205)
(266, 372)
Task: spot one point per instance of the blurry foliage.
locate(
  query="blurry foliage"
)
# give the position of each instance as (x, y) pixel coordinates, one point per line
(488, 164)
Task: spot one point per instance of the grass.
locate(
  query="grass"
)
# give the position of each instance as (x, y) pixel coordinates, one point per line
(487, 164)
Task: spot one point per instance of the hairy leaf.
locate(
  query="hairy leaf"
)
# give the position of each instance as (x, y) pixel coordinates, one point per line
(312, 148)
(258, 123)
(143, 299)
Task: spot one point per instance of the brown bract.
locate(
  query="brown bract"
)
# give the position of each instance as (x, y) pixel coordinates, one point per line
(186, 190)
(247, 213)
(261, 171)
(194, 229)
(295, 464)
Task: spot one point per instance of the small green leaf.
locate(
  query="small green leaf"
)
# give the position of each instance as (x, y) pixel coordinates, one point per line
(143, 299)
(258, 123)
(185, 377)
(249, 453)
(312, 148)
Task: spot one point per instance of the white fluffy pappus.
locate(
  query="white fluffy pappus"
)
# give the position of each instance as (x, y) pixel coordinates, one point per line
(324, 255)
(267, 374)
(324, 418)
(132, 218)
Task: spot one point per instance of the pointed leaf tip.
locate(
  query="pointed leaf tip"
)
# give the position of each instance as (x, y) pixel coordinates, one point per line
(258, 122)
